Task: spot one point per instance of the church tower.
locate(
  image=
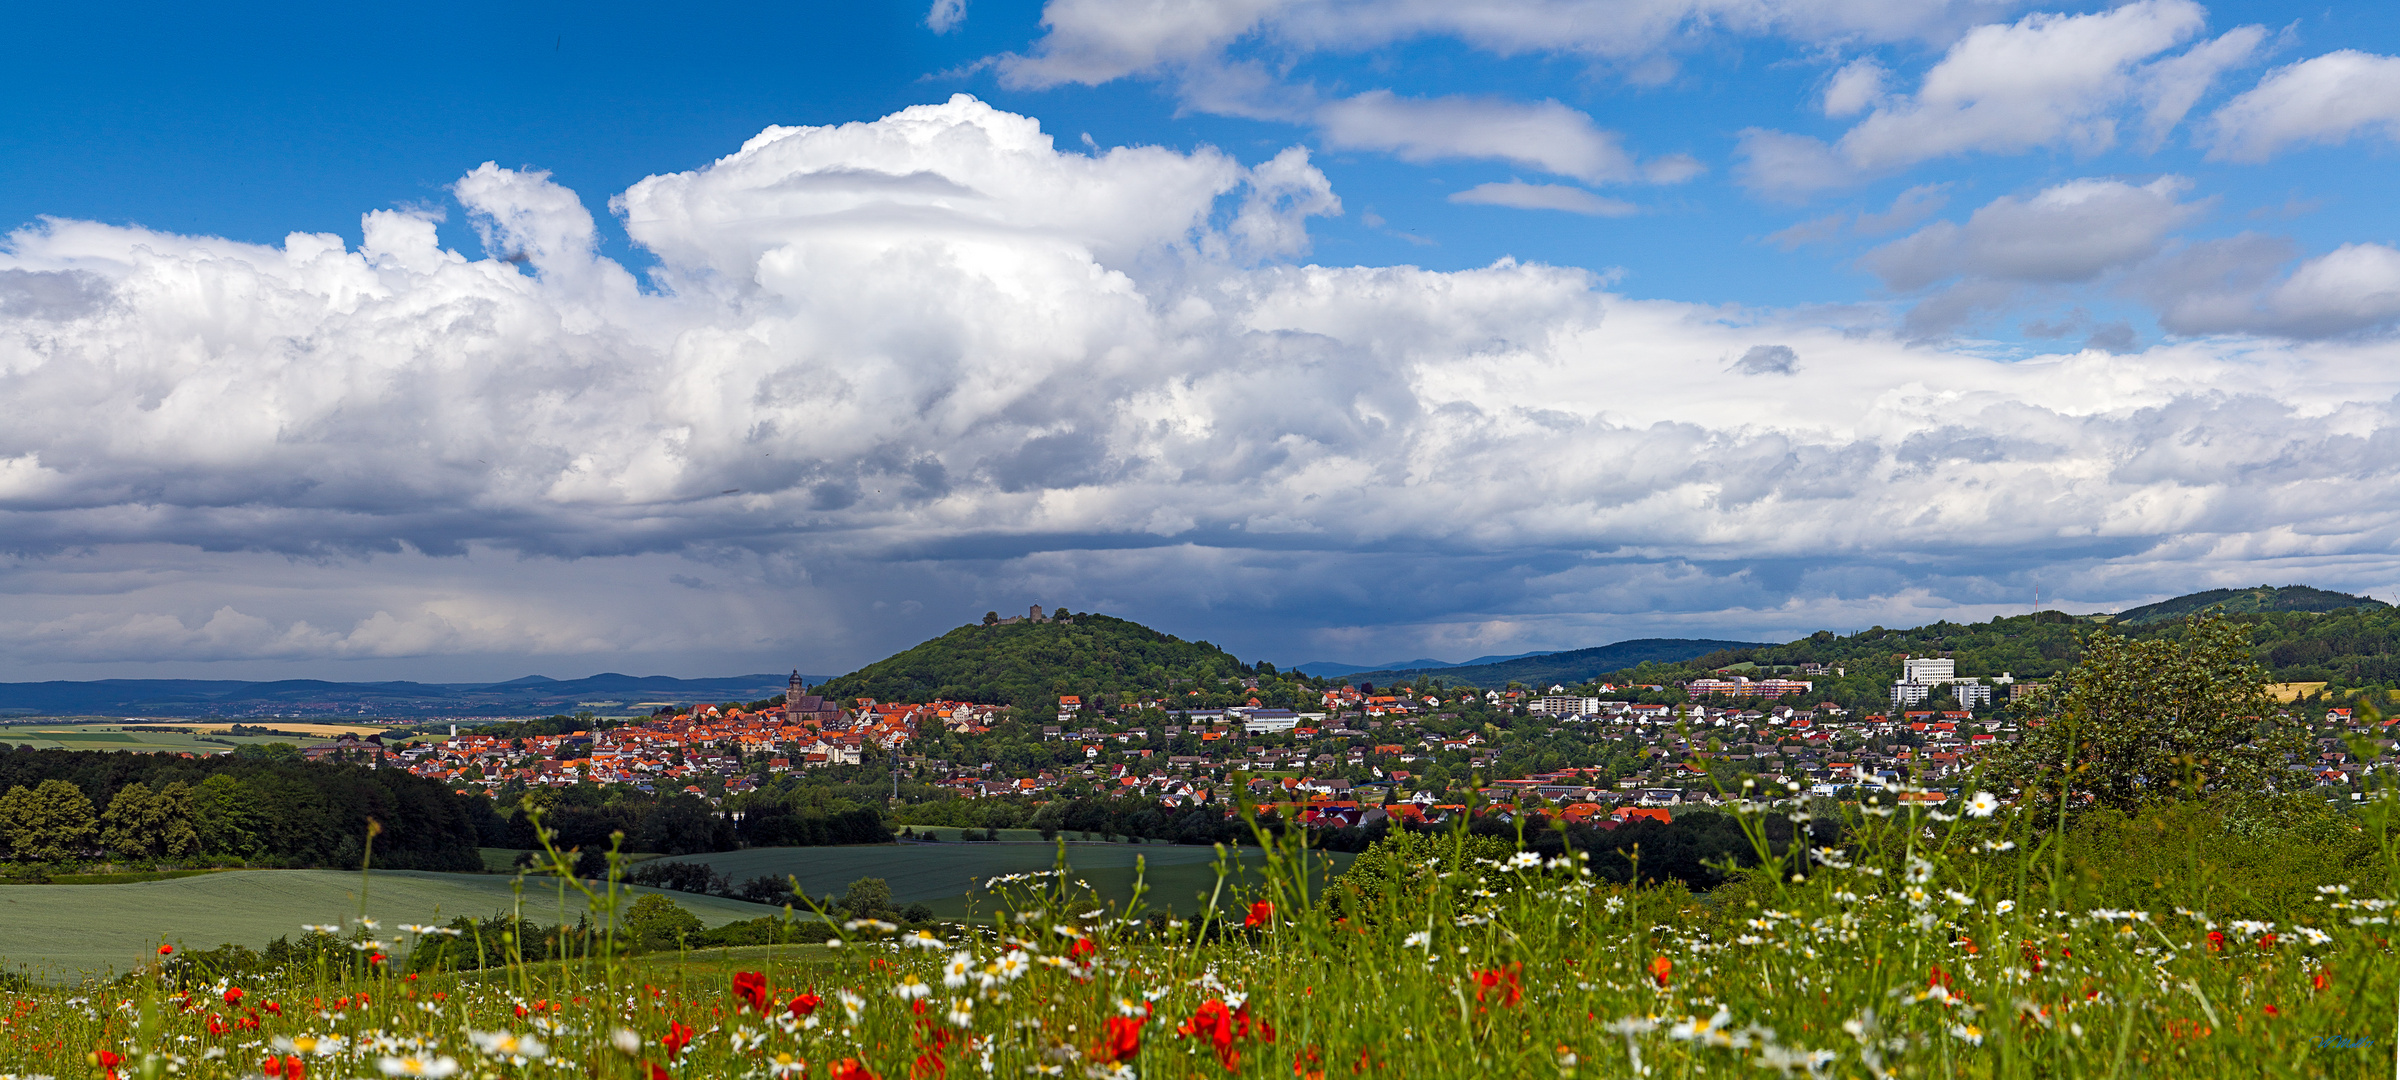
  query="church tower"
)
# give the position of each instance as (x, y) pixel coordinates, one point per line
(797, 688)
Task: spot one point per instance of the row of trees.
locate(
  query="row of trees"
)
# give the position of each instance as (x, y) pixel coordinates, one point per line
(66, 805)
(54, 822)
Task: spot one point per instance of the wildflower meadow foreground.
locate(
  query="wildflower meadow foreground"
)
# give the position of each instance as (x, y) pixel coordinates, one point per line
(1932, 940)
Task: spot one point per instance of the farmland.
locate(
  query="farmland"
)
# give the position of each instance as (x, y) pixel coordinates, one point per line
(166, 738)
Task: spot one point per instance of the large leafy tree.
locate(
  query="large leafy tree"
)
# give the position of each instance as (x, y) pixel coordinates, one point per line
(49, 822)
(145, 824)
(2144, 722)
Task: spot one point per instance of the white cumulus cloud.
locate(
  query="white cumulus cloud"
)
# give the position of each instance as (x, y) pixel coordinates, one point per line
(934, 359)
(2049, 80)
(2325, 99)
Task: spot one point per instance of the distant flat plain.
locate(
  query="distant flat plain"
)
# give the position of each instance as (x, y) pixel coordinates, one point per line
(196, 738)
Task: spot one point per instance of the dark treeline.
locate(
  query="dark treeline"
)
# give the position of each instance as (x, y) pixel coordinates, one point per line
(779, 826)
(71, 805)
(1698, 849)
(589, 818)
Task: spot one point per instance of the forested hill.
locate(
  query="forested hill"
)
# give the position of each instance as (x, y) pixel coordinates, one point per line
(2350, 647)
(2247, 602)
(1565, 668)
(1030, 665)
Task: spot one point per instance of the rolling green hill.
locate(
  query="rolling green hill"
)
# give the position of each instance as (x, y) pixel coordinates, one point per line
(1030, 665)
(57, 932)
(2247, 602)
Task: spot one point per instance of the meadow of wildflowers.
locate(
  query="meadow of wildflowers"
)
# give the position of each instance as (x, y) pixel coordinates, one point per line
(1929, 941)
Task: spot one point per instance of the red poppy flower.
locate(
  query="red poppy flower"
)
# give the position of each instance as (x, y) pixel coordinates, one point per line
(850, 1069)
(1660, 969)
(108, 1060)
(166, 950)
(678, 1036)
(1262, 913)
(1214, 1022)
(1500, 983)
(1308, 1064)
(805, 1004)
(1938, 977)
(657, 1072)
(1083, 947)
(2320, 980)
(751, 988)
(273, 1008)
(2272, 1012)
(1121, 1041)
(233, 995)
(2216, 941)
(2266, 941)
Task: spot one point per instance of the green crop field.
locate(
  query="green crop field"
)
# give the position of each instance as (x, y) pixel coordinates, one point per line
(57, 932)
(949, 877)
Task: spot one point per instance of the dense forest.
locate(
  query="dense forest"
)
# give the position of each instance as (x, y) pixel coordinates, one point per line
(2255, 601)
(1030, 665)
(65, 805)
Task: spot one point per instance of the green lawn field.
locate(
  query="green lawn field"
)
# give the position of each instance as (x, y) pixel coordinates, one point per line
(61, 932)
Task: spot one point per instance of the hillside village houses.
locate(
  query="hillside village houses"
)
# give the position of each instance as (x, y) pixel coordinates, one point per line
(1358, 756)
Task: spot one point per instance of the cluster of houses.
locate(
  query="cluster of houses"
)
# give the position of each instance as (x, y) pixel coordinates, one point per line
(1358, 756)
(684, 750)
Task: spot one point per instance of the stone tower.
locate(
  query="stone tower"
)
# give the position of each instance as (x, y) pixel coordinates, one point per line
(795, 690)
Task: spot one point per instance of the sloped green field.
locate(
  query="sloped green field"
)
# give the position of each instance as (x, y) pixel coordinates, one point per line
(59, 932)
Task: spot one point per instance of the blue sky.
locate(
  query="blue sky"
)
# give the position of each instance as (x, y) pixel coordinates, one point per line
(1813, 314)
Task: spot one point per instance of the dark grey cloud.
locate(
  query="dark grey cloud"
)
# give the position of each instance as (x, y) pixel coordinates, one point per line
(1768, 360)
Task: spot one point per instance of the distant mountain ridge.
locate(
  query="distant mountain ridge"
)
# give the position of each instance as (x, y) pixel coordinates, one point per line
(233, 699)
(2246, 602)
(1567, 668)
(1329, 669)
